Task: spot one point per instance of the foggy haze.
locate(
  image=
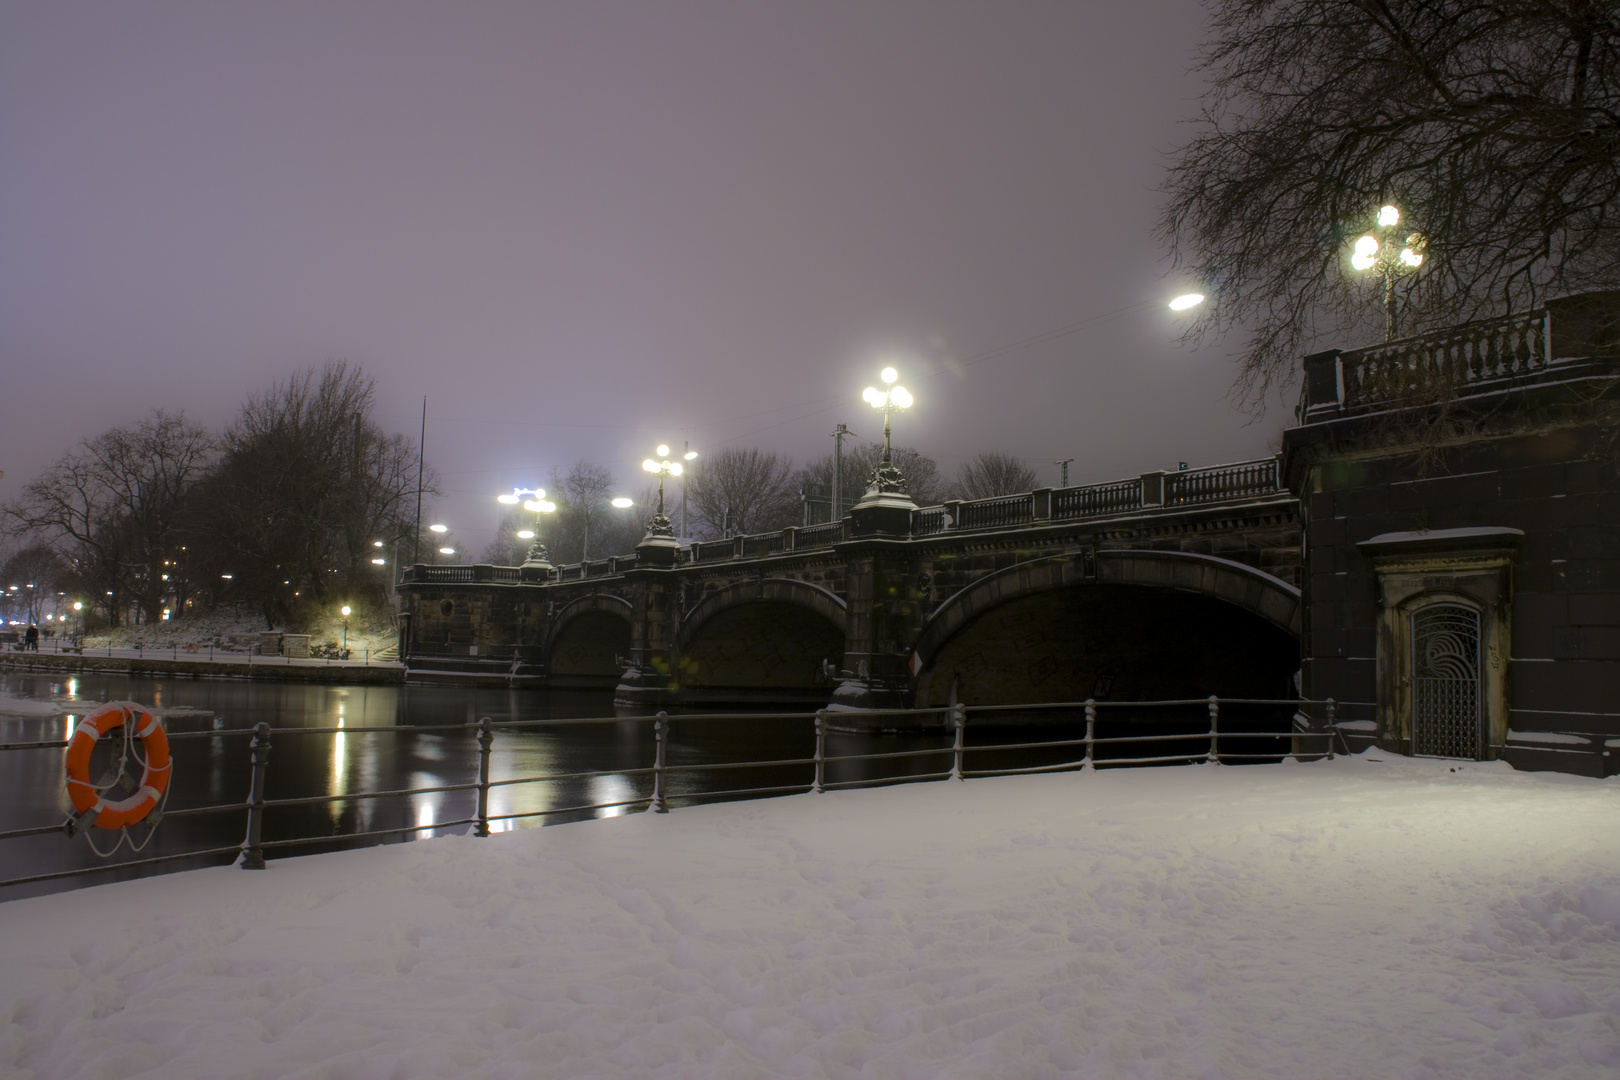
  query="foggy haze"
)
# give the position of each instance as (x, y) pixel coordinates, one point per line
(582, 229)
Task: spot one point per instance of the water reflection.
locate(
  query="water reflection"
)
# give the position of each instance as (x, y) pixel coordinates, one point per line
(385, 741)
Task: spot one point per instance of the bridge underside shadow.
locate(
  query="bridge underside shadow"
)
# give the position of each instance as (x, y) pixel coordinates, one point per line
(588, 651)
(761, 653)
(1110, 642)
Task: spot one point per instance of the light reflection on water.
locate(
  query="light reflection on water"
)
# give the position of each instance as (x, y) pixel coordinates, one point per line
(380, 747)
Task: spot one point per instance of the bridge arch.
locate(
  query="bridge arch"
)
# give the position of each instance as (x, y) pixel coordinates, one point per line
(588, 637)
(1164, 623)
(763, 638)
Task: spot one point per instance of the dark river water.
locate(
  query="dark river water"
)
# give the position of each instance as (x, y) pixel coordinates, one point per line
(386, 744)
(381, 748)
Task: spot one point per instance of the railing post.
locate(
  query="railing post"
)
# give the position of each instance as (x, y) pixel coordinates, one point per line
(660, 730)
(959, 722)
(1333, 725)
(485, 738)
(1089, 762)
(821, 752)
(252, 852)
(1214, 757)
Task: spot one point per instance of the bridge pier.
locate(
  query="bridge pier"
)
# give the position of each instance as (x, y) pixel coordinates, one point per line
(654, 590)
(881, 621)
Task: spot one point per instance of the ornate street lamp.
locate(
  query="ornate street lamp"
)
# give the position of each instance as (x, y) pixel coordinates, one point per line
(1382, 250)
(886, 479)
(661, 466)
(537, 557)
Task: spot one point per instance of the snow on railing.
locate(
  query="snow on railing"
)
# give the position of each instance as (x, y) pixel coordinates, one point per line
(1187, 730)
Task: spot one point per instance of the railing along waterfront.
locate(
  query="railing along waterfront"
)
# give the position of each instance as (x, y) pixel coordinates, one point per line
(1185, 731)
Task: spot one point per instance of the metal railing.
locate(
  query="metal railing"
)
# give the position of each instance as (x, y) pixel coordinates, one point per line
(1313, 733)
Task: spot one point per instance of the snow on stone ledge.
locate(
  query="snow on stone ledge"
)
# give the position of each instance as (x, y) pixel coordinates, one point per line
(1549, 737)
(1370, 916)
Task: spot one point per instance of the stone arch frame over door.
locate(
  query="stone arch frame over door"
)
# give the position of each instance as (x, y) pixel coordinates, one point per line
(1470, 568)
(1459, 645)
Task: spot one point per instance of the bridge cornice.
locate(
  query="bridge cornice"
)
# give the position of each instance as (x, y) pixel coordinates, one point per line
(1255, 591)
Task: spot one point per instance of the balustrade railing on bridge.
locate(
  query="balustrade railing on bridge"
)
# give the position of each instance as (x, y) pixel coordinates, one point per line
(1474, 358)
(1150, 492)
(1065, 736)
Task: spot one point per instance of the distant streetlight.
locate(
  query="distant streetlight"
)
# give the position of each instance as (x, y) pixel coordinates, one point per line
(662, 467)
(1187, 301)
(1382, 250)
(532, 499)
(886, 478)
(345, 610)
(622, 503)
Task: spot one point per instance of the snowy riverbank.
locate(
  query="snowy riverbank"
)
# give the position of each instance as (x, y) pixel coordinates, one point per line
(1358, 918)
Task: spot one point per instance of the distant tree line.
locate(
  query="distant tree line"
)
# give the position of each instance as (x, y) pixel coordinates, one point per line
(303, 503)
(285, 510)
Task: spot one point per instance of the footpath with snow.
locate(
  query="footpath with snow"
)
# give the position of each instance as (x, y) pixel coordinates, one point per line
(1361, 918)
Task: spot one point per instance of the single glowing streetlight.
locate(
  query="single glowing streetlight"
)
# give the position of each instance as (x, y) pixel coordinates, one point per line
(438, 528)
(1384, 251)
(345, 610)
(661, 467)
(886, 478)
(622, 503)
(534, 500)
(1187, 301)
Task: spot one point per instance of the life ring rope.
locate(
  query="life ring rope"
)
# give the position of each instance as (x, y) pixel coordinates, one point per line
(146, 745)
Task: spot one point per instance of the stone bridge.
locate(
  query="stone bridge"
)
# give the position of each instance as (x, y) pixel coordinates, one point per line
(1163, 585)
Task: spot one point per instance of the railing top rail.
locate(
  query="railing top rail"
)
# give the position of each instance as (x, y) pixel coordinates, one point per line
(932, 710)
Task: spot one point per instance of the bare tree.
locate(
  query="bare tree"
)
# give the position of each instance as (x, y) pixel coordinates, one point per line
(734, 491)
(990, 473)
(860, 461)
(115, 508)
(1493, 126)
(582, 505)
(307, 485)
(32, 577)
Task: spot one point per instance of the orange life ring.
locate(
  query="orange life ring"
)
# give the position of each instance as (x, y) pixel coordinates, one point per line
(154, 775)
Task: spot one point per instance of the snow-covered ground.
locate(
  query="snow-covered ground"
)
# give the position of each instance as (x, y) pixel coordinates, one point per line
(1361, 918)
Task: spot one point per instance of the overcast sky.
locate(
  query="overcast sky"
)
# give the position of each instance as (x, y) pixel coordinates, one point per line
(582, 228)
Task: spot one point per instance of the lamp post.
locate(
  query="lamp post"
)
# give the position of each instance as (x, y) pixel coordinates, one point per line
(1382, 250)
(688, 454)
(661, 467)
(537, 557)
(345, 610)
(886, 479)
